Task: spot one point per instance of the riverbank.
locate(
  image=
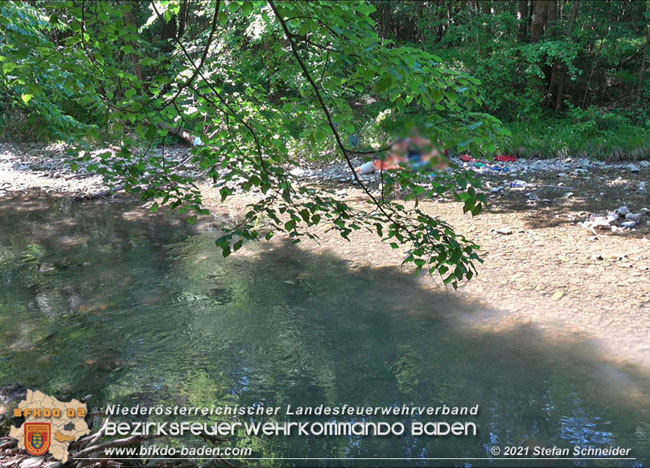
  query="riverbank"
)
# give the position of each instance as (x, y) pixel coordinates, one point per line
(545, 265)
(542, 267)
(29, 167)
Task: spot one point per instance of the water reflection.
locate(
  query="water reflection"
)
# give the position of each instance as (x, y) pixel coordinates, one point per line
(130, 307)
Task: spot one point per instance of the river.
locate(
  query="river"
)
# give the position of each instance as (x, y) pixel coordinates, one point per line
(104, 298)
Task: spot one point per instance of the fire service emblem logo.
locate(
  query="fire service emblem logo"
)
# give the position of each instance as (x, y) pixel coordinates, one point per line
(37, 438)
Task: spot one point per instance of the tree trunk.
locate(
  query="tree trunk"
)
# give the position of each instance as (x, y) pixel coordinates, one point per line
(560, 86)
(551, 17)
(540, 16)
(553, 71)
(441, 16)
(129, 21)
(167, 32)
(643, 61)
(523, 19)
(182, 18)
(180, 132)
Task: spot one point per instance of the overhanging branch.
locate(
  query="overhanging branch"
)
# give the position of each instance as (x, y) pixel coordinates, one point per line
(346, 154)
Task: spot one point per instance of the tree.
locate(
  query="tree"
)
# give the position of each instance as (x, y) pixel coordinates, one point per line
(262, 83)
(562, 80)
(523, 19)
(540, 16)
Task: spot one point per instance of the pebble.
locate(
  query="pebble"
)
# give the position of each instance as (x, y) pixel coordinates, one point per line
(620, 218)
(28, 166)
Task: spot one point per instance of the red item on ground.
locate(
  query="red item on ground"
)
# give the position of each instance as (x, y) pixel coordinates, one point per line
(505, 158)
(467, 158)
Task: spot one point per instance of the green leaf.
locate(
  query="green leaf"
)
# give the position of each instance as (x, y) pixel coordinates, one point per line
(151, 132)
(384, 83)
(247, 7)
(9, 67)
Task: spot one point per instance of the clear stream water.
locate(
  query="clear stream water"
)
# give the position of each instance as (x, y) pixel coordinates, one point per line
(106, 299)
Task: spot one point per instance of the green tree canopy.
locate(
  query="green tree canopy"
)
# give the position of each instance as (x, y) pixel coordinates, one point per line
(265, 85)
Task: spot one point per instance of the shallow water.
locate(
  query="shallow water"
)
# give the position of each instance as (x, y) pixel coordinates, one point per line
(108, 300)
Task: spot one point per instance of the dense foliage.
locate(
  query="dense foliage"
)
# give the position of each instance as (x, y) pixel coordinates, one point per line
(267, 84)
(566, 76)
(263, 84)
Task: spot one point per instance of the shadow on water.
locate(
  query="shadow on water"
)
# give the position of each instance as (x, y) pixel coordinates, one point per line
(132, 308)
